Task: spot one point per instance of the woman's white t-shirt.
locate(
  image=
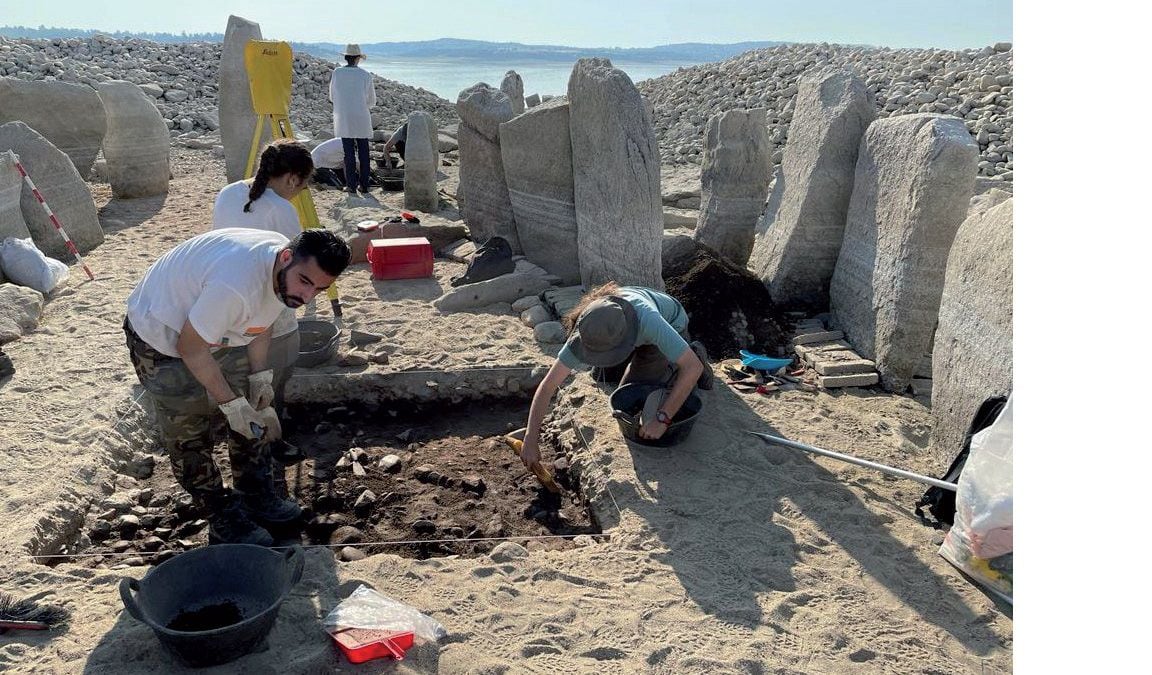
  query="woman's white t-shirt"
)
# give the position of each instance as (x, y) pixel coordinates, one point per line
(219, 281)
(270, 212)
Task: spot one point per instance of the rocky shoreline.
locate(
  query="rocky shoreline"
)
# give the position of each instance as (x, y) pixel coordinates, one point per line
(973, 84)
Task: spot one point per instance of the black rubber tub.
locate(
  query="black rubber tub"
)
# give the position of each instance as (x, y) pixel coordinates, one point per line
(251, 581)
(318, 342)
(627, 402)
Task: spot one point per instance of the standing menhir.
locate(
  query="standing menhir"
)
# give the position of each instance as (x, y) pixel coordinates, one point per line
(513, 87)
(914, 177)
(68, 115)
(420, 163)
(616, 177)
(136, 145)
(733, 182)
(483, 192)
(237, 118)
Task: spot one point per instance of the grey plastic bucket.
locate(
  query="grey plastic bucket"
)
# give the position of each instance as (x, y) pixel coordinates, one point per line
(253, 578)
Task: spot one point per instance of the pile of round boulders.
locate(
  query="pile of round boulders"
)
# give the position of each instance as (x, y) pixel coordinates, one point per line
(973, 84)
(183, 79)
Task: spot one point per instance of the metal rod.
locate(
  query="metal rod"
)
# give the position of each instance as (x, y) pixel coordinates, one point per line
(776, 440)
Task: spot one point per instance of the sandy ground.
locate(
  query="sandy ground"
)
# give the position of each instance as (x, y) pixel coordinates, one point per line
(723, 555)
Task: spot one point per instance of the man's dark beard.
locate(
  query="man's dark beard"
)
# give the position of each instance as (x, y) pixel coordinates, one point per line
(292, 301)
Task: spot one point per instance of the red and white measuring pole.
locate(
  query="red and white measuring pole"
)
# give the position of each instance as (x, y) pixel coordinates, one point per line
(51, 216)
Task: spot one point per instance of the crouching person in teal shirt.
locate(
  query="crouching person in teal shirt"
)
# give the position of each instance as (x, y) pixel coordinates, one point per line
(642, 330)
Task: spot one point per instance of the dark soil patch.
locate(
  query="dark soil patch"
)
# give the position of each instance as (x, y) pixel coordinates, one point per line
(210, 617)
(729, 309)
(456, 482)
(457, 489)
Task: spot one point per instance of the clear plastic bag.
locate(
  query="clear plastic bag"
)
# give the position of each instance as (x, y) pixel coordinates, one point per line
(367, 608)
(980, 541)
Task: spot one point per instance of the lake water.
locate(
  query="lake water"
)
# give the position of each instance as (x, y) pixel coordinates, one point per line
(447, 77)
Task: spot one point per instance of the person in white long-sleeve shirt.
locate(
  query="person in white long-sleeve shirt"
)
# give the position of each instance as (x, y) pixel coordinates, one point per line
(352, 95)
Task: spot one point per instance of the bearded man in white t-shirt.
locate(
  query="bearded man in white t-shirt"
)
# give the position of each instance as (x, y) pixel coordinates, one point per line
(198, 331)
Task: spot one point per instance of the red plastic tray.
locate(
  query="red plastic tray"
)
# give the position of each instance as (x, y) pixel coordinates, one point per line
(364, 644)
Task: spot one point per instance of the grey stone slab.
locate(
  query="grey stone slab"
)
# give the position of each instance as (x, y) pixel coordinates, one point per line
(62, 188)
(537, 154)
(237, 119)
(972, 355)
(68, 115)
(483, 192)
(801, 244)
(421, 160)
(616, 176)
(913, 181)
(137, 143)
(734, 182)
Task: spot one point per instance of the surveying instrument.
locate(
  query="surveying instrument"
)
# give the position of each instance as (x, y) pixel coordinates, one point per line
(269, 65)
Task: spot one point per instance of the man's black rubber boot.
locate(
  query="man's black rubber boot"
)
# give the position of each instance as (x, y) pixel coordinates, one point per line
(258, 496)
(229, 524)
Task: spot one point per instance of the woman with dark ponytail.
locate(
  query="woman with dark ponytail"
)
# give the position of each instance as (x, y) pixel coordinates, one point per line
(263, 202)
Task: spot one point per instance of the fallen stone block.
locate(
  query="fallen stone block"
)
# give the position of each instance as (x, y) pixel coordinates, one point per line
(823, 336)
(835, 381)
(20, 310)
(507, 288)
(550, 332)
(845, 367)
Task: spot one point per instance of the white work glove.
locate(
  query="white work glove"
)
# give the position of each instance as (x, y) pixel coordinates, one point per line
(246, 421)
(260, 391)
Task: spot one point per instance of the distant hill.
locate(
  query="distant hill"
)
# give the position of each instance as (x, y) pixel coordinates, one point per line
(693, 52)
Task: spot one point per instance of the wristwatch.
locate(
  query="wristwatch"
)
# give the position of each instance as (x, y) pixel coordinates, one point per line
(662, 417)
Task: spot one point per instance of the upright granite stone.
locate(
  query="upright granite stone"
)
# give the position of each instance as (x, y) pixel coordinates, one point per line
(733, 182)
(513, 88)
(800, 246)
(914, 177)
(11, 183)
(61, 186)
(616, 178)
(237, 121)
(537, 153)
(483, 191)
(137, 142)
(68, 115)
(972, 357)
(420, 162)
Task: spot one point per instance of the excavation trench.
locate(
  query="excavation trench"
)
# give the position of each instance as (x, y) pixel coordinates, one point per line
(421, 475)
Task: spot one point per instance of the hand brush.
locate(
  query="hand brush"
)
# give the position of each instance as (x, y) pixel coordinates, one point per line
(29, 615)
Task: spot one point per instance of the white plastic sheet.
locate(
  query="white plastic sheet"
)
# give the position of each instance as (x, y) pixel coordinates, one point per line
(25, 265)
(980, 541)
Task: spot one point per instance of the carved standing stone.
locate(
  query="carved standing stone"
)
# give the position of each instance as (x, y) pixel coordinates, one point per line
(733, 182)
(237, 120)
(914, 177)
(616, 177)
(483, 191)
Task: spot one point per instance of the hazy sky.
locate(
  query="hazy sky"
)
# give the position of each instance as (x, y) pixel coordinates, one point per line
(581, 23)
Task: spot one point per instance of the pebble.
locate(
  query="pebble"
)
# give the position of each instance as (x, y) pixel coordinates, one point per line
(390, 463)
(424, 526)
(508, 551)
(351, 553)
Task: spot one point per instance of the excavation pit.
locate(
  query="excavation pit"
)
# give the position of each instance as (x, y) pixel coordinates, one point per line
(418, 480)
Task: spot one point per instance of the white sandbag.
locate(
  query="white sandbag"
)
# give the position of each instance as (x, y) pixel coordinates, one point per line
(25, 265)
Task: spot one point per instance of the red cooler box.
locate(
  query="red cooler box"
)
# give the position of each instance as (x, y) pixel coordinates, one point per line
(408, 258)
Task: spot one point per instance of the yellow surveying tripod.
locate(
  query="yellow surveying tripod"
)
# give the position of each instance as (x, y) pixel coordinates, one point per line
(269, 66)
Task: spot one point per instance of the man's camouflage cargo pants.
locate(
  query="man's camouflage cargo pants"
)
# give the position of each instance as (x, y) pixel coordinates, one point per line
(187, 417)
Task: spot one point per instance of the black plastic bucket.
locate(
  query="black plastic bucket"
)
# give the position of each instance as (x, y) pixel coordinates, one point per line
(254, 579)
(627, 402)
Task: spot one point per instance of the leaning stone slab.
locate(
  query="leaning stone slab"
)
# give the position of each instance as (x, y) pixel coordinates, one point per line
(421, 160)
(20, 310)
(506, 288)
(913, 181)
(802, 243)
(513, 87)
(68, 115)
(537, 153)
(616, 178)
(137, 142)
(733, 182)
(11, 217)
(237, 120)
(972, 356)
(62, 188)
(483, 191)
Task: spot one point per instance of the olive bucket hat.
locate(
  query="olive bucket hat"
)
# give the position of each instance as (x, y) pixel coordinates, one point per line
(605, 333)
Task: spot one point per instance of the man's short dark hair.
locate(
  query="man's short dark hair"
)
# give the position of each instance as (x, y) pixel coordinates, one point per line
(329, 251)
